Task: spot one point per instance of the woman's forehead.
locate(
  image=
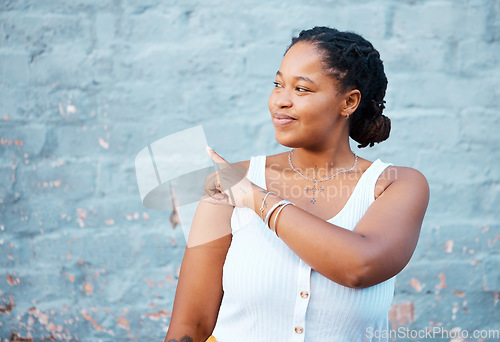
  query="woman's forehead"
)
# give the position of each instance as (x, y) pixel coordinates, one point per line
(301, 58)
(303, 61)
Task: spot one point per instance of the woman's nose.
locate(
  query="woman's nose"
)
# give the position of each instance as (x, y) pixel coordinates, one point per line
(282, 100)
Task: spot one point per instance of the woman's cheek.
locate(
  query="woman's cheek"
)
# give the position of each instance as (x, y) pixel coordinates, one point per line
(270, 102)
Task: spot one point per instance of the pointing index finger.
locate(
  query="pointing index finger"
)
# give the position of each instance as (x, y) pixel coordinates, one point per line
(221, 162)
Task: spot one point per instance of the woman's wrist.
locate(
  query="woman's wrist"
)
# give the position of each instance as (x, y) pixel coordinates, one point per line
(263, 201)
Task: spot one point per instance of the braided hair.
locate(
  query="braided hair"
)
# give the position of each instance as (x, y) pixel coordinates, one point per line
(355, 63)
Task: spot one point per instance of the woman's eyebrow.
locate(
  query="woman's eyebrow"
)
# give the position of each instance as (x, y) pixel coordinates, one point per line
(302, 78)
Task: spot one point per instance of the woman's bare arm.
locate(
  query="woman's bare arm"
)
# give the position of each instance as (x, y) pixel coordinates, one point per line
(378, 248)
(199, 289)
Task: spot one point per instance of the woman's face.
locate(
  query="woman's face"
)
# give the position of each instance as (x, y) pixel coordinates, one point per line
(305, 104)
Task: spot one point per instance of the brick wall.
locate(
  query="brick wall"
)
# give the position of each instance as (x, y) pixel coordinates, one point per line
(86, 84)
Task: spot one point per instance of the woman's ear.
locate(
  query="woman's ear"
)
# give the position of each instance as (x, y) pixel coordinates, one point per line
(351, 103)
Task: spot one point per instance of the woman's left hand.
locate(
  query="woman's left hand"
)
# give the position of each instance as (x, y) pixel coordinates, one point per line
(228, 185)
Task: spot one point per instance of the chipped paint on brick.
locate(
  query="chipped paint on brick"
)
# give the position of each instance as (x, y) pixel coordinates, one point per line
(124, 323)
(442, 283)
(7, 308)
(415, 283)
(12, 281)
(82, 216)
(70, 109)
(88, 288)
(16, 337)
(454, 311)
(104, 144)
(156, 316)
(459, 294)
(449, 246)
(491, 242)
(89, 318)
(401, 314)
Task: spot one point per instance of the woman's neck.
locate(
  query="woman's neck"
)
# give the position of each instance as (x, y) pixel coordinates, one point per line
(325, 161)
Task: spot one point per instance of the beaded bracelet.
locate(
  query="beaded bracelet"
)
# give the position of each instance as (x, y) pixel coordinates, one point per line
(278, 214)
(263, 202)
(273, 208)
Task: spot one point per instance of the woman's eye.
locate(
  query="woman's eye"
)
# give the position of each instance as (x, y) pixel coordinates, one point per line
(301, 90)
(277, 85)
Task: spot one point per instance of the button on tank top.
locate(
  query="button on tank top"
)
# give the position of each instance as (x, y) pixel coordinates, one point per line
(270, 294)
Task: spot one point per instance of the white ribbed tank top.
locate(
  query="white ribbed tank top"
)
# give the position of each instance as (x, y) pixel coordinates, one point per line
(270, 294)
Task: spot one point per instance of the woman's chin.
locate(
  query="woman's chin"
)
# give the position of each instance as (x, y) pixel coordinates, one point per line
(287, 140)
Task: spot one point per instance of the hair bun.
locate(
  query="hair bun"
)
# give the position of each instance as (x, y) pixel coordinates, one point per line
(370, 131)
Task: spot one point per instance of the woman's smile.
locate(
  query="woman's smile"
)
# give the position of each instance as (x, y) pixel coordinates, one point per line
(280, 119)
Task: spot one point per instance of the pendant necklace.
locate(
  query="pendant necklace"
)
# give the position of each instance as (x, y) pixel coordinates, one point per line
(315, 188)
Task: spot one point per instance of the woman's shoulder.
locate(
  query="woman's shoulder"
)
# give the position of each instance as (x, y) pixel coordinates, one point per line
(404, 174)
(243, 163)
(403, 177)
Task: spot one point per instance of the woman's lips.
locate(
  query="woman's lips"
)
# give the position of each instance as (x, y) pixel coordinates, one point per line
(282, 120)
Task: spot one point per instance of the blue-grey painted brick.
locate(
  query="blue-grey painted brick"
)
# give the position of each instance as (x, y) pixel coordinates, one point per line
(154, 27)
(450, 202)
(71, 180)
(264, 60)
(477, 131)
(468, 172)
(473, 64)
(39, 31)
(14, 69)
(493, 22)
(105, 27)
(125, 102)
(60, 6)
(439, 129)
(400, 55)
(18, 146)
(492, 274)
(15, 253)
(444, 20)
(65, 65)
(473, 243)
(7, 179)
